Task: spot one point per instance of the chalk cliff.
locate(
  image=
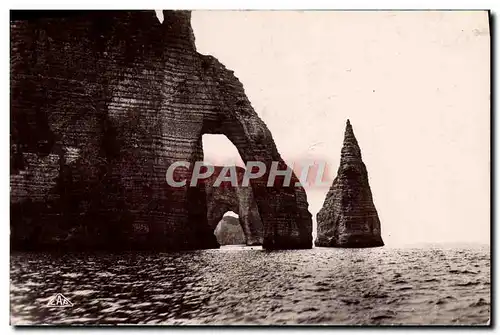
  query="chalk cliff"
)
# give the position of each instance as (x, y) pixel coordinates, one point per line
(348, 217)
(229, 232)
(102, 103)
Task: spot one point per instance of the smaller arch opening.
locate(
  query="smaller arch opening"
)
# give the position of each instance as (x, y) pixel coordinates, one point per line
(228, 231)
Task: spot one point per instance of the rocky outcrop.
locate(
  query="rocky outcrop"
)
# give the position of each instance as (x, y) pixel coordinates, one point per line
(238, 199)
(348, 217)
(102, 103)
(229, 231)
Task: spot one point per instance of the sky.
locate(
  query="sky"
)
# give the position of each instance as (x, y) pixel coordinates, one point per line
(415, 86)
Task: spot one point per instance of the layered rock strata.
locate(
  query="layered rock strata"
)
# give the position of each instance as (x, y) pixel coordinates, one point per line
(102, 103)
(348, 217)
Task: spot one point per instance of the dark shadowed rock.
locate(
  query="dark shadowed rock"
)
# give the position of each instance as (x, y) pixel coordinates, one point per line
(238, 199)
(102, 103)
(229, 232)
(348, 217)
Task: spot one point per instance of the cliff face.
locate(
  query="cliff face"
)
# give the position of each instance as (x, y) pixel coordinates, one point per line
(348, 217)
(229, 232)
(238, 199)
(102, 103)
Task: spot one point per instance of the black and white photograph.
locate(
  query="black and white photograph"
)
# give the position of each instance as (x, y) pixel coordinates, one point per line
(250, 167)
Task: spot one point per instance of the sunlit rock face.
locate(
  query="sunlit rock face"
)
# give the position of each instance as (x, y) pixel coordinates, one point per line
(130, 96)
(229, 231)
(348, 217)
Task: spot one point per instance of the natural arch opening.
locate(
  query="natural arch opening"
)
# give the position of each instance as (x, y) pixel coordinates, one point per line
(226, 204)
(219, 150)
(229, 230)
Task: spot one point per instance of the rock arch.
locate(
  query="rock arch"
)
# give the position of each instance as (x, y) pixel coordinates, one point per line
(237, 199)
(132, 96)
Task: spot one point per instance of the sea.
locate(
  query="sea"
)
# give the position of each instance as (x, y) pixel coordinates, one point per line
(240, 285)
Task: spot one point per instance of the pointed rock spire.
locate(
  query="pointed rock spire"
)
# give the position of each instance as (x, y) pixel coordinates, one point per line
(350, 149)
(348, 217)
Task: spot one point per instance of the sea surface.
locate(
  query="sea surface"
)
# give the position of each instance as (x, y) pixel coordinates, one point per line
(248, 285)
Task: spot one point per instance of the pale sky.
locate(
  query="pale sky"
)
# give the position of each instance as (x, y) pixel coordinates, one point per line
(415, 86)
